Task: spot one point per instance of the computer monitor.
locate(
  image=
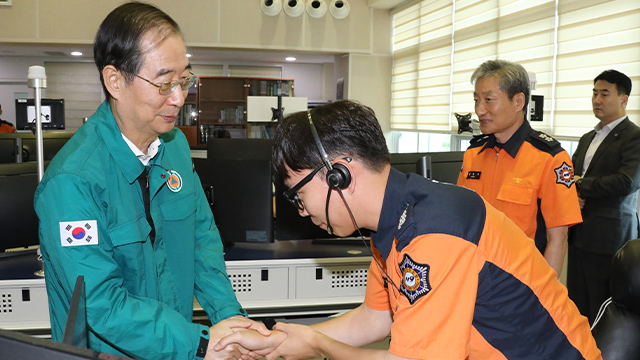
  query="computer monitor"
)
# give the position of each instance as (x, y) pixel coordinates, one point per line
(16, 345)
(237, 176)
(52, 142)
(52, 114)
(18, 218)
(444, 166)
(9, 148)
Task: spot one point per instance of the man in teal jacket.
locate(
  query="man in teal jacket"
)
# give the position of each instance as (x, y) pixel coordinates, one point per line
(122, 206)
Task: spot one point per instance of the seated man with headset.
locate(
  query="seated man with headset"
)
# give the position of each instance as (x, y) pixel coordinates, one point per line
(451, 277)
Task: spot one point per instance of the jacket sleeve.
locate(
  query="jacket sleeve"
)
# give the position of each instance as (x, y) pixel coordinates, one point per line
(622, 182)
(135, 325)
(558, 196)
(213, 288)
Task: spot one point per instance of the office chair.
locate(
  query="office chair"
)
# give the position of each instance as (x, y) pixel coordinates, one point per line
(617, 326)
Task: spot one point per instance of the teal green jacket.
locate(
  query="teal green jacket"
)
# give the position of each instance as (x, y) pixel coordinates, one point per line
(139, 296)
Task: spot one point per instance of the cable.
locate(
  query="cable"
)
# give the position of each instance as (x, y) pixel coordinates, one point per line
(353, 219)
(326, 211)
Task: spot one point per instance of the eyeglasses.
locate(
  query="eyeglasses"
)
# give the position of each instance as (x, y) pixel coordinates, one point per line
(168, 87)
(292, 194)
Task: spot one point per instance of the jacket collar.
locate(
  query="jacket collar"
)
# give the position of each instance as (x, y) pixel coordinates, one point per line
(512, 146)
(391, 212)
(125, 159)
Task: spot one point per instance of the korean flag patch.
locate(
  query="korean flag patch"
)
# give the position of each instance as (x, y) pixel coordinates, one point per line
(78, 233)
(415, 279)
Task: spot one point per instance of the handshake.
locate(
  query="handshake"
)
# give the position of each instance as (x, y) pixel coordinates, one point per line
(241, 338)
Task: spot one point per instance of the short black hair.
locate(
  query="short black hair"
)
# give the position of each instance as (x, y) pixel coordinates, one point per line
(622, 81)
(345, 128)
(119, 36)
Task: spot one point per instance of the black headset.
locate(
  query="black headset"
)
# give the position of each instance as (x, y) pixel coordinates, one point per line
(338, 175)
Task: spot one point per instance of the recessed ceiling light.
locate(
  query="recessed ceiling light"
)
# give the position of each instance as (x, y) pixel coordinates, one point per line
(188, 55)
(76, 53)
(290, 58)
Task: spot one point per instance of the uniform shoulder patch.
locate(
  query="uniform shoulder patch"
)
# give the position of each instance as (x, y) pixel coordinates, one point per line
(479, 140)
(78, 233)
(415, 279)
(544, 142)
(564, 175)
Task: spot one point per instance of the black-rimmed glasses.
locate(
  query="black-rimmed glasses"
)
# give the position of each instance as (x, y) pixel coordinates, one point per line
(292, 194)
(168, 87)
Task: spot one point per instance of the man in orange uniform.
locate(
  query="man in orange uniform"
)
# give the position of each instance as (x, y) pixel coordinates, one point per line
(522, 172)
(5, 126)
(453, 278)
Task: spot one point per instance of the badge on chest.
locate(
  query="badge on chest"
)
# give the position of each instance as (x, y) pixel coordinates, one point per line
(474, 175)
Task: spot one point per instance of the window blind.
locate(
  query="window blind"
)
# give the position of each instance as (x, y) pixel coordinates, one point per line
(594, 36)
(421, 87)
(434, 59)
(518, 31)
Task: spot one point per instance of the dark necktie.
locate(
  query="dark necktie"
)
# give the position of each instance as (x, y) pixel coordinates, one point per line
(143, 180)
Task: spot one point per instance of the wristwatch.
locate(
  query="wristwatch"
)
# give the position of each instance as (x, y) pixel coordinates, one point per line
(578, 184)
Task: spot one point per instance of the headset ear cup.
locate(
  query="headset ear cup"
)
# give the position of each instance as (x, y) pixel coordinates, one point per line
(339, 177)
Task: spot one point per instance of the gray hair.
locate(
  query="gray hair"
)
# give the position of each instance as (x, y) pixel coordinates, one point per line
(512, 77)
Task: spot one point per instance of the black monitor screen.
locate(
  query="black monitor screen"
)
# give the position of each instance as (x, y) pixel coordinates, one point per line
(52, 142)
(8, 147)
(18, 184)
(16, 345)
(444, 166)
(238, 174)
(52, 113)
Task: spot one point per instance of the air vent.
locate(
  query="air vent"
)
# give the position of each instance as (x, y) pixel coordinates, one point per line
(241, 282)
(352, 278)
(55, 53)
(6, 306)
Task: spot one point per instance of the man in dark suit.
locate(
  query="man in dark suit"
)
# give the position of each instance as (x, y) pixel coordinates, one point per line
(607, 164)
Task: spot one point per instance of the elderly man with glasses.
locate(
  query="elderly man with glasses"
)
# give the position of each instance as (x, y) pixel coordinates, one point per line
(122, 206)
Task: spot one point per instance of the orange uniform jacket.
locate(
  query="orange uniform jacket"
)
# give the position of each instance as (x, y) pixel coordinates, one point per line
(6, 127)
(464, 282)
(529, 178)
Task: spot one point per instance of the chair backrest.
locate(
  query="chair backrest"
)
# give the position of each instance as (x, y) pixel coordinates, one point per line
(617, 327)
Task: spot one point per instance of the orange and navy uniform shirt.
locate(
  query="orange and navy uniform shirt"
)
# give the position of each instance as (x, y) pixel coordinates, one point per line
(6, 127)
(464, 282)
(529, 178)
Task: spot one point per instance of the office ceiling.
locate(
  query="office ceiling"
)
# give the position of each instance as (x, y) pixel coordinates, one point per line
(199, 55)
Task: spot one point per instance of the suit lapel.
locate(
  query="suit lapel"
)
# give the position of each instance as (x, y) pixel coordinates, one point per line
(583, 146)
(613, 136)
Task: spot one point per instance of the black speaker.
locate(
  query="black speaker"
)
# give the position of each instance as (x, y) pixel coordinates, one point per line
(339, 176)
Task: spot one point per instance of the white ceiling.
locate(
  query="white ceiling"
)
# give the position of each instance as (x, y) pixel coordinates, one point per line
(199, 55)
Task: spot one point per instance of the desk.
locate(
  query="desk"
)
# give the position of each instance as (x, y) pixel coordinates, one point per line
(281, 279)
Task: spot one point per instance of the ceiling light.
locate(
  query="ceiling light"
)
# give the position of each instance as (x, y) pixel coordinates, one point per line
(271, 7)
(339, 9)
(293, 8)
(76, 53)
(290, 58)
(316, 8)
(189, 55)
